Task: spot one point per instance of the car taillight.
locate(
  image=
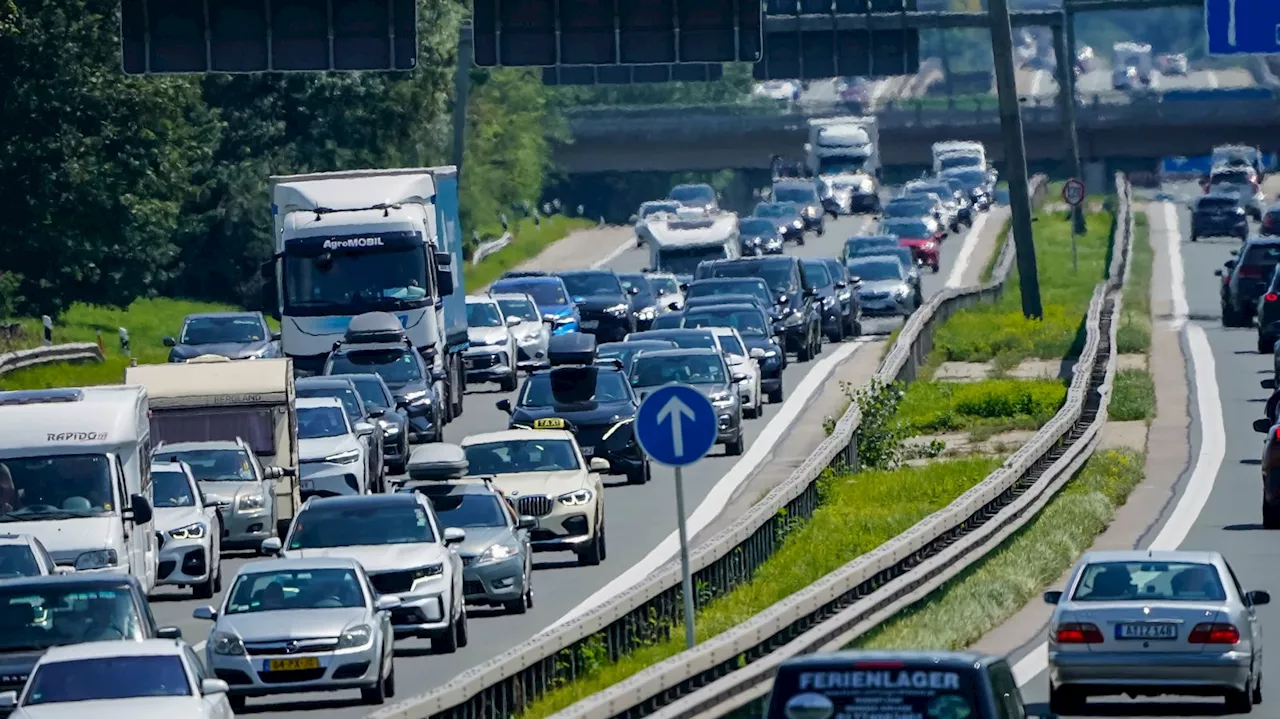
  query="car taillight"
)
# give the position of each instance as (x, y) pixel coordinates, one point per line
(1214, 634)
(1278, 434)
(1271, 297)
(1084, 633)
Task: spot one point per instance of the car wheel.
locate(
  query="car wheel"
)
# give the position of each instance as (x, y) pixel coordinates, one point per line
(837, 334)
(1270, 516)
(376, 694)
(734, 448)
(639, 475)
(1063, 700)
(1230, 318)
(1256, 695)
(521, 605)
(1239, 702)
(805, 353)
(1266, 345)
(207, 588)
(447, 642)
(217, 584)
(509, 382)
(749, 412)
(775, 396)
(398, 467)
(594, 553)
(1194, 237)
(237, 703)
(851, 328)
(460, 629)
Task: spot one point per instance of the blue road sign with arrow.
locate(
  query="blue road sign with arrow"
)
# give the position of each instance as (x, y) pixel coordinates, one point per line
(1242, 27)
(676, 425)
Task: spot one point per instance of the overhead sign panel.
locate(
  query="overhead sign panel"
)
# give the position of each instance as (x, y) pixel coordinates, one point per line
(816, 39)
(1242, 27)
(546, 33)
(247, 36)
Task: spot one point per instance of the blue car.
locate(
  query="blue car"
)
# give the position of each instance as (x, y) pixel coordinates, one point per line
(551, 296)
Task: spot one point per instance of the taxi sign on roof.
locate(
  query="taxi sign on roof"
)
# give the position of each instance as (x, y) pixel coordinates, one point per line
(550, 423)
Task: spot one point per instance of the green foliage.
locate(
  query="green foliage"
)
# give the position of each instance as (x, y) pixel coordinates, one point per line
(1134, 332)
(530, 239)
(880, 435)
(1133, 396)
(934, 407)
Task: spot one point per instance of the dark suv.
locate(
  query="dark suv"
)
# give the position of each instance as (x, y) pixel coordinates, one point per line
(804, 194)
(1267, 312)
(604, 305)
(1247, 279)
(1218, 215)
(800, 323)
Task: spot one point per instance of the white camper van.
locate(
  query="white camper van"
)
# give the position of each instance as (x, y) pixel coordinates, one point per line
(75, 472)
(678, 245)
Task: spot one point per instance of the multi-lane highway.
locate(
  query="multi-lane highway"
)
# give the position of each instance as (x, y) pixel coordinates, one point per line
(637, 519)
(1097, 81)
(1218, 498)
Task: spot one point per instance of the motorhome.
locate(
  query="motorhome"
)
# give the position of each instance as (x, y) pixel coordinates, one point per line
(212, 398)
(950, 154)
(75, 472)
(1135, 55)
(843, 153)
(679, 243)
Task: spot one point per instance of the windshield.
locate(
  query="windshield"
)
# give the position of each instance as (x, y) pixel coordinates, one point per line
(911, 208)
(521, 308)
(465, 511)
(872, 690)
(968, 178)
(217, 330)
(584, 284)
(683, 340)
(748, 323)
(56, 487)
(350, 400)
(640, 282)
(546, 294)
(777, 275)
(626, 351)
(123, 677)
(911, 229)
(483, 314)
(17, 560)
(1231, 177)
(757, 226)
(699, 368)
(347, 283)
(289, 590)
(816, 273)
(316, 422)
(799, 195)
(610, 387)
(360, 524)
(754, 287)
(953, 161)
(840, 165)
(774, 209)
(171, 489)
(371, 392)
(517, 456)
(33, 618)
(731, 345)
(664, 285)
(685, 260)
(877, 247)
(396, 366)
(1149, 582)
(693, 194)
(944, 192)
(649, 210)
(872, 271)
(231, 465)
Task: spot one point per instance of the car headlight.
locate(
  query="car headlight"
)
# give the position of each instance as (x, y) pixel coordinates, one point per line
(356, 636)
(646, 314)
(226, 644)
(793, 319)
(351, 456)
(578, 498)
(421, 396)
(723, 400)
(774, 242)
(753, 240)
(529, 338)
(389, 429)
(1239, 210)
(618, 309)
(429, 570)
(770, 354)
(191, 531)
(497, 552)
(900, 292)
(97, 559)
(251, 502)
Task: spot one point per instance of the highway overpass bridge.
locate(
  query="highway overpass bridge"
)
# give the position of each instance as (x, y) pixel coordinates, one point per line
(676, 139)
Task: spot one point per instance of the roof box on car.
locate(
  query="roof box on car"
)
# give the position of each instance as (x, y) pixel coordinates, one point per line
(374, 327)
(437, 462)
(574, 348)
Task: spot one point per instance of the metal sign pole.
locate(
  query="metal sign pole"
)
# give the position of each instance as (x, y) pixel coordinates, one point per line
(686, 578)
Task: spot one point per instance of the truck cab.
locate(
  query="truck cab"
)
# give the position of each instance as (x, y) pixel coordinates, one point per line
(843, 153)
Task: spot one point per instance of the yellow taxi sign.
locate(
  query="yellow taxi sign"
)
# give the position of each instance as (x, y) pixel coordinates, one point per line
(550, 423)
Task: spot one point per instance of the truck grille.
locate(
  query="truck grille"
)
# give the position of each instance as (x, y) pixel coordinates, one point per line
(537, 505)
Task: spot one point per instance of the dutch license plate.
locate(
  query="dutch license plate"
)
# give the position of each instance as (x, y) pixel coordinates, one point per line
(307, 485)
(588, 451)
(292, 665)
(1146, 630)
(590, 324)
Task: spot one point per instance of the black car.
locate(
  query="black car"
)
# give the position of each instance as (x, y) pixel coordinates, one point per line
(904, 254)
(234, 335)
(626, 351)
(756, 329)
(731, 299)
(800, 322)
(753, 286)
(591, 395)
(760, 236)
(845, 291)
(523, 273)
(706, 371)
(700, 197)
(380, 404)
(1268, 314)
(977, 183)
(803, 194)
(786, 215)
(644, 301)
(603, 304)
(411, 382)
(54, 610)
(1219, 215)
(1247, 279)
(1271, 221)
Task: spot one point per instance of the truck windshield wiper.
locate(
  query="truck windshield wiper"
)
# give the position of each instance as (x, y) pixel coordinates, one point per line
(40, 516)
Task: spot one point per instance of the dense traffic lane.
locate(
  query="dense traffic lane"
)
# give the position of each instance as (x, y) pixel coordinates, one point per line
(637, 519)
(1230, 520)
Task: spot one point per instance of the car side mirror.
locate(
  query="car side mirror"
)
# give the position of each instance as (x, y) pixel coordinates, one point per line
(811, 292)
(1268, 384)
(1257, 598)
(272, 472)
(684, 286)
(8, 700)
(387, 602)
(513, 321)
(841, 285)
(504, 405)
(140, 509)
(170, 342)
(526, 522)
(1052, 597)
(783, 299)
(272, 546)
(376, 412)
(757, 353)
(1262, 425)
(1217, 273)
(169, 632)
(598, 465)
(439, 375)
(275, 336)
(634, 290)
(206, 613)
(363, 429)
(213, 686)
(453, 536)
(673, 305)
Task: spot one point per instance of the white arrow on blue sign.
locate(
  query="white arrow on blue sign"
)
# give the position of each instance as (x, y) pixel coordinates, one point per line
(1242, 27)
(676, 425)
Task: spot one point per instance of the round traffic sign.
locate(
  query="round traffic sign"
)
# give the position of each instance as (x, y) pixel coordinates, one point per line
(1073, 192)
(676, 425)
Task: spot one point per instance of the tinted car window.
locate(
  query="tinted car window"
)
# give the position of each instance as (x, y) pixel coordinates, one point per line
(395, 366)
(778, 275)
(748, 322)
(757, 226)
(802, 195)
(1217, 203)
(1263, 255)
(592, 283)
(610, 387)
(907, 228)
(816, 274)
(684, 340)
(876, 270)
(543, 292)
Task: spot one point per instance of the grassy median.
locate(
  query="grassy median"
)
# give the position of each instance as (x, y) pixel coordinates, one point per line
(859, 512)
(529, 241)
(986, 406)
(1134, 333)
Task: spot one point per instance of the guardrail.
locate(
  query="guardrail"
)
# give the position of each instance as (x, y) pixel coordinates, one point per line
(484, 249)
(75, 351)
(504, 685)
(710, 680)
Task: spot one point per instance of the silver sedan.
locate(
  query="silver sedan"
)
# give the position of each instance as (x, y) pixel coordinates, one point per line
(302, 625)
(1148, 623)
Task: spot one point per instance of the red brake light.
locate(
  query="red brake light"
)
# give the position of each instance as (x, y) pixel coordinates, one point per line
(1084, 633)
(1271, 297)
(1214, 634)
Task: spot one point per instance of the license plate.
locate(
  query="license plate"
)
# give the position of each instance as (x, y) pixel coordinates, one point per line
(1146, 630)
(307, 485)
(292, 665)
(588, 451)
(590, 324)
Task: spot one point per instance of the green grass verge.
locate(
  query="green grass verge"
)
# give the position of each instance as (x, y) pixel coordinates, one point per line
(991, 405)
(1133, 396)
(983, 596)
(1134, 333)
(990, 268)
(999, 331)
(530, 241)
(859, 512)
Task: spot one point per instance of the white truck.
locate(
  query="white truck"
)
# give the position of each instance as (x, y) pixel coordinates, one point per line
(950, 154)
(1136, 55)
(361, 241)
(843, 153)
(679, 243)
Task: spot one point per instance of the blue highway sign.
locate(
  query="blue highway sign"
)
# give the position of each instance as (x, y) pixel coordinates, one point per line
(676, 425)
(1242, 27)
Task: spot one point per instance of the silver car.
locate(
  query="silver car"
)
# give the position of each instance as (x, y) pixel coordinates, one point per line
(667, 287)
(229, 475)
(302, 625)
(1147, 623)
(188, 531)
(532, 333)
(331, 457)
(886, 289)
(492, 354)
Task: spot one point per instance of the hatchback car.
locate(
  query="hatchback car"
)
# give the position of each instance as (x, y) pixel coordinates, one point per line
(1218, 215)
(188, 531)
(331, 457)
(532, 333)
(491, 356)
(1246, 279)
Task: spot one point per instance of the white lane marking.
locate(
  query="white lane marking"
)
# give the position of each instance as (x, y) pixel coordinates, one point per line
(956, 278)
(1213, 442)
(618, 252)
(1173, 238)
(1211, 79)
(724, 489)
(200, 646)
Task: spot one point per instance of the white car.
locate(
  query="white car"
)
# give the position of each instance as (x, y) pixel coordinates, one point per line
(189, 530)
(22, 555)
(331, 456)
(492, 355)
(739, 359)
(403, 547)
(147, 679)
(532, 333)
(667, 287)
(648, 212)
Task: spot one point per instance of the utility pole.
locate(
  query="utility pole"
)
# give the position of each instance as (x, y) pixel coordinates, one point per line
(1064, 40)
(462, 92)
(1015, 154)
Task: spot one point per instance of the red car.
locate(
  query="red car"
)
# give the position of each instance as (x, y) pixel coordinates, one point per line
(922, 235)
